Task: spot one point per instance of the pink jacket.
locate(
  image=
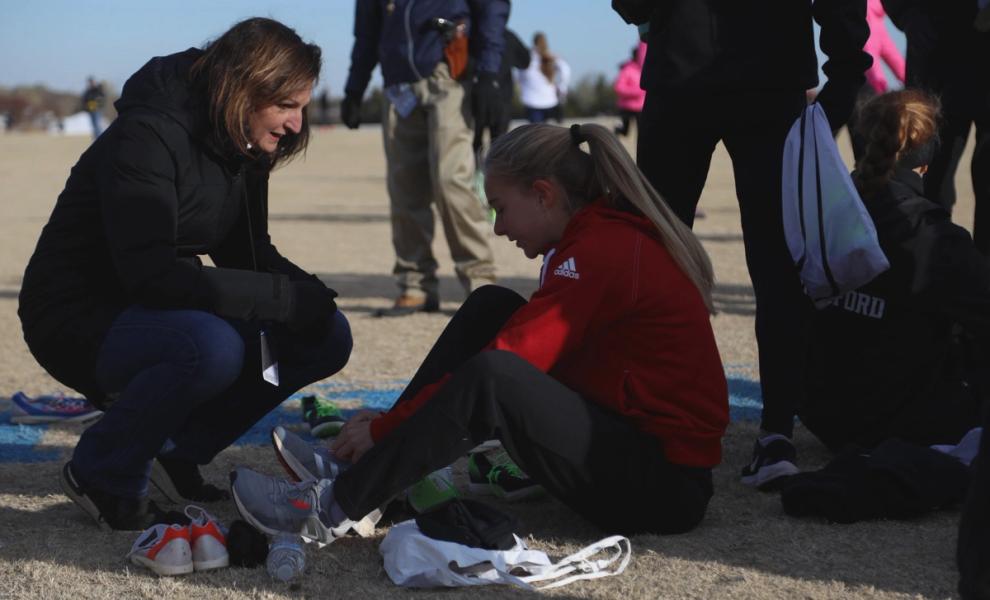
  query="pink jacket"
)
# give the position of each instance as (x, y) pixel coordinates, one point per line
(629, 96)
(881, 48)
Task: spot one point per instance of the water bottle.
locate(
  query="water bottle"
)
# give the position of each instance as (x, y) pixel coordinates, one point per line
(286, 557)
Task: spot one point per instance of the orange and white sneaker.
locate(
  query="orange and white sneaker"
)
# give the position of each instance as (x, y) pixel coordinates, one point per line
(164, 549)
(208, 540)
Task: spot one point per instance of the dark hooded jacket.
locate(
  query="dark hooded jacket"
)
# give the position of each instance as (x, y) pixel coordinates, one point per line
(150, 196)
(905, 355)
(727, 46)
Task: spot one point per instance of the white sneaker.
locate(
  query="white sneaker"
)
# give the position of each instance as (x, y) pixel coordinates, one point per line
(164, 549)
(208, 540)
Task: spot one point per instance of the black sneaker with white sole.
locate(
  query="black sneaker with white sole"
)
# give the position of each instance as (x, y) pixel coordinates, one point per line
(774, 457)
(115, 512)
(180, 481)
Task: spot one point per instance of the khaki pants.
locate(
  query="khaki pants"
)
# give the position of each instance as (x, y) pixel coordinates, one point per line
(431, 160)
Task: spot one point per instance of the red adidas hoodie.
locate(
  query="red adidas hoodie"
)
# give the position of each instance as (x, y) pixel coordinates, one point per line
(617, 321)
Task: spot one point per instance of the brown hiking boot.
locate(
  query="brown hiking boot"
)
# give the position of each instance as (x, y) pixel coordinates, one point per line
(407, 305)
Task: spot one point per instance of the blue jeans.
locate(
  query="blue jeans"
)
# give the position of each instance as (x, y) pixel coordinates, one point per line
(189, 381)
(537, 115)
(94, 117)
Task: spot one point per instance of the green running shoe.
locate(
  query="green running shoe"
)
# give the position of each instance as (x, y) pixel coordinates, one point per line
(496, 474)
(324, 418)
(432, 490)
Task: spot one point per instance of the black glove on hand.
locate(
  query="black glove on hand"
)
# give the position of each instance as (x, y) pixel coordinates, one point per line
(350, 111)
(312, 306)
(486, 100)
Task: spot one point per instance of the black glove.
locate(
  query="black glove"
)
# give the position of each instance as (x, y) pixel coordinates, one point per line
(312, 306)
(350, 111)
(486, 100)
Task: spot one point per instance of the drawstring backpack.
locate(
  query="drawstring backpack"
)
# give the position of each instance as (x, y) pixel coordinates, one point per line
(414, 560)
(829, 233)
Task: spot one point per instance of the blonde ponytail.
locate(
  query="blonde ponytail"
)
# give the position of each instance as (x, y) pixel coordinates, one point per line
(539, 151)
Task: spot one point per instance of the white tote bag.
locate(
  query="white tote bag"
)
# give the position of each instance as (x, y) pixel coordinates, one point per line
(829, 233)
(414, 560)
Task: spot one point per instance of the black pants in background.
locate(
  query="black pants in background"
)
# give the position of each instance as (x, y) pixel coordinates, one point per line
(678, 133)
(589, 458)
(973, 555)
(628, 117)
(960, 111)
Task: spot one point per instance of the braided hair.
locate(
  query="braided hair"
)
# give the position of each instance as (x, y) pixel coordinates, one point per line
(901, 130)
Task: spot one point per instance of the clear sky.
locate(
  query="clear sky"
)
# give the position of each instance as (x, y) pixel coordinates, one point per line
(60, 42)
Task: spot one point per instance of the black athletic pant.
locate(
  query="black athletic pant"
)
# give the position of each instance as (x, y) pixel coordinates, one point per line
(973, 555)
(678, 133)
(591, 459)
(627, 117)
(959, 113)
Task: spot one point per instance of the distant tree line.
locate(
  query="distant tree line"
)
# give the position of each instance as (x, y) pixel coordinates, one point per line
(591, 96)
(35, 107)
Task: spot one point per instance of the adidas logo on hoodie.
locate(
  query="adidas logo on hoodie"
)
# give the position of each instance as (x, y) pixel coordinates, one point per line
(567, 269)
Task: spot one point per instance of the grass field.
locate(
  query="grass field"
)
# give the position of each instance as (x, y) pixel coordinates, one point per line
(329, 213)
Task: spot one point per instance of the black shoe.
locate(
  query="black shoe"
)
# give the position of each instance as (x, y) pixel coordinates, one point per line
(180, 480)
(407, 305)
(774, 457)
(115, 512)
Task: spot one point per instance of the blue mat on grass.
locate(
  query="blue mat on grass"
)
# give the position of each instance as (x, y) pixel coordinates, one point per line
(20, 443)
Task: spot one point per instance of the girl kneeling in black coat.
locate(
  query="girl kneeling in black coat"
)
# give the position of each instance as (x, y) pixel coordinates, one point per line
(904, 355)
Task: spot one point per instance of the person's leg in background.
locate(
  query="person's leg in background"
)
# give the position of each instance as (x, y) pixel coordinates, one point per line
(411, 192)
(623, 128)
(755, 140)
(973, 550)
(591, 459)
(535, 115)
(939, 180)
(302, 360)
(980, 170)
(674, 147)
(451, 162)
(94, 117)
(504, 120)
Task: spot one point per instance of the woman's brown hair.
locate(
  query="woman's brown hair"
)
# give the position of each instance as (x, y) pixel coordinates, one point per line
(255, 64)
(899, 128)
(548, 62)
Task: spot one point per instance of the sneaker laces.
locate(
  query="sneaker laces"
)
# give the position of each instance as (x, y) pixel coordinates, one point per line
(320, 406)
(60, 401)
(502, 462)
(200, 517)
(148, 538)
(197, 514)
(512, 469)
(286, 492)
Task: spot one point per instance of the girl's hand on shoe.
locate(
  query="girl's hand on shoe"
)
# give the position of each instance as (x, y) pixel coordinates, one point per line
(354, 438)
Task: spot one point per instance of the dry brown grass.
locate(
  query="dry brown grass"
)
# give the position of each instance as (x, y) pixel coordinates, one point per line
(329, 213)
